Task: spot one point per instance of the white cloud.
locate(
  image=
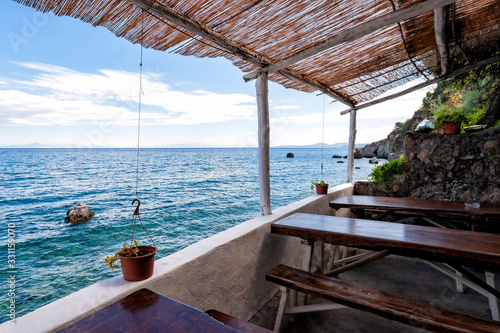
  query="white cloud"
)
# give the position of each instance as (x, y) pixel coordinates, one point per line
(58, 95)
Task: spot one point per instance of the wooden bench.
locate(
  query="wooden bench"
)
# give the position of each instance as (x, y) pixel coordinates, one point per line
(374, 301)
(238, 324)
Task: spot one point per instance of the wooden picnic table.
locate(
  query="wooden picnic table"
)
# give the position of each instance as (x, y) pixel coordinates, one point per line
(455, 247)
(428, 207)
(147, 311)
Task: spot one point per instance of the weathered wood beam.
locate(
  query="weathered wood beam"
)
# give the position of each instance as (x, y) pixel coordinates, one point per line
(425, 84)
(261, 88)
(351, 145)
(353, 33)
(170, 14)
(440, 19)
(316, 85)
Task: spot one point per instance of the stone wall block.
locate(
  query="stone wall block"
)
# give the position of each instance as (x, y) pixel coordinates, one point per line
(443, 154)
(494, 170)
(491, 147)
(423, 155)
(469, 170)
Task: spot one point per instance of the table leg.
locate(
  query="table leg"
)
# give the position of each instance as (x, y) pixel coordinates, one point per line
(306, 266)
(492, 300)
(459, 285)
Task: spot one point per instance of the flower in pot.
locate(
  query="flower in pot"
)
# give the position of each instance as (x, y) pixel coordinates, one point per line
(137, 261)
(449, 118)
(321, 187)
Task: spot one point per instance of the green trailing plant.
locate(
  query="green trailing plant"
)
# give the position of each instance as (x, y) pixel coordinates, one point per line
(385, 172)
(445, 114)
(313, 183)
(132, 251)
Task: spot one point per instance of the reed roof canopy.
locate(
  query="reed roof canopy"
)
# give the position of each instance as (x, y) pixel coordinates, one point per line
(352, 50)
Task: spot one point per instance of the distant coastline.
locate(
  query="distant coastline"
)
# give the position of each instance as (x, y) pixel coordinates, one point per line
(340, 145)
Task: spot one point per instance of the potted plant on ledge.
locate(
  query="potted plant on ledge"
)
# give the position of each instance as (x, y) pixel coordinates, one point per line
(137, 261)
(449, 118)
(321, 187)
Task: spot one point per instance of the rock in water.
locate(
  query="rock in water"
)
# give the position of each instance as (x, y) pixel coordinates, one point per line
(373, 160)
(78, 214)
(290, 155)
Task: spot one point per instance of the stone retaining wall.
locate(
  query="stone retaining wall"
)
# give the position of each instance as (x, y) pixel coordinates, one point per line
(462, 167)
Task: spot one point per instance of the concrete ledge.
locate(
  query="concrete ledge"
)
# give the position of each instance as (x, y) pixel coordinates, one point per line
(225, 272)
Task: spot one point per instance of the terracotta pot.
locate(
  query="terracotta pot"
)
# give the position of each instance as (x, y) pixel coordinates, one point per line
(322, 189)
(451, 128)
(138, 268)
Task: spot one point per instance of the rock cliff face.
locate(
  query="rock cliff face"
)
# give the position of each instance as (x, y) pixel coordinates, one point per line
(392, 146)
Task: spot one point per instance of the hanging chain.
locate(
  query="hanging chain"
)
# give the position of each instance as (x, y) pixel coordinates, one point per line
(140, 103)
(323, 138)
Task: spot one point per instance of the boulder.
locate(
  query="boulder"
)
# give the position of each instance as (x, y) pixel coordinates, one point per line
(340, 161)
(358, 154)
(373, 160)
(78, 214)
(336, 156)
(290, 155)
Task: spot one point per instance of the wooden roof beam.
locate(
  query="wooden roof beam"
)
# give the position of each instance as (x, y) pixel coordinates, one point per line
(424, 84)
(440, 19)
(353, 33)
(316, 85)
(170, 14)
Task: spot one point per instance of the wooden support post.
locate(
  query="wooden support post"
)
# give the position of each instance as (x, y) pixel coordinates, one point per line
(261, 87)
(352, 140)
(440, 19)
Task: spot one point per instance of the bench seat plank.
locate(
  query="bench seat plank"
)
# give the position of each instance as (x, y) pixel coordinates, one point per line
(380, 303)
(436, 244)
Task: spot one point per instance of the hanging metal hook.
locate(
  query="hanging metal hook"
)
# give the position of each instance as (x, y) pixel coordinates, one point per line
(136, 212)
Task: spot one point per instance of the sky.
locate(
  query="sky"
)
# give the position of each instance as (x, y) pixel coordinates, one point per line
(65, 83)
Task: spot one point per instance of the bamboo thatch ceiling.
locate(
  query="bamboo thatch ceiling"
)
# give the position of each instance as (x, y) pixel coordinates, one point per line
(257, 33)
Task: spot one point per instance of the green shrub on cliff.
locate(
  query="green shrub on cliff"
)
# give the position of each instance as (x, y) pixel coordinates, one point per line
(385, 172)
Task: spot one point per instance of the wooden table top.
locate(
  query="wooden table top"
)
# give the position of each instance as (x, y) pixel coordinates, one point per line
(446, 245)
(409, 204)
(147, 311)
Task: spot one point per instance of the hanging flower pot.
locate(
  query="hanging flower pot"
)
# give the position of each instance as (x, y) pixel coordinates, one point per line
(137, 261)
(321, 187)
(451, 127)
(140, 267)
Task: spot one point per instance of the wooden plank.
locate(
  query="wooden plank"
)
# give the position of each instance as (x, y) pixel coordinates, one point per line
(238, 324)
(425, 84)
(353, 33)
(380, 303)
(261, 87)
(414, 205)
(446, 245)
(440, 19)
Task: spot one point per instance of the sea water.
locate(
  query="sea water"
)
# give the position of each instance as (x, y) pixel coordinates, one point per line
(186, 195)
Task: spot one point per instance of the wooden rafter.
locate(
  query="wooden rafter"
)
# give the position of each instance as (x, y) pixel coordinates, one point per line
(424, 84)
(353, 33)
(168, 13)
(440, 19)
(405, 46)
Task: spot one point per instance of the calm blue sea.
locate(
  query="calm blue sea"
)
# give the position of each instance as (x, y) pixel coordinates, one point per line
(186, 195)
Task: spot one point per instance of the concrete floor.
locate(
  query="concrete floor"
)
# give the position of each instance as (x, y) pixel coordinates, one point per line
(406, 277)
